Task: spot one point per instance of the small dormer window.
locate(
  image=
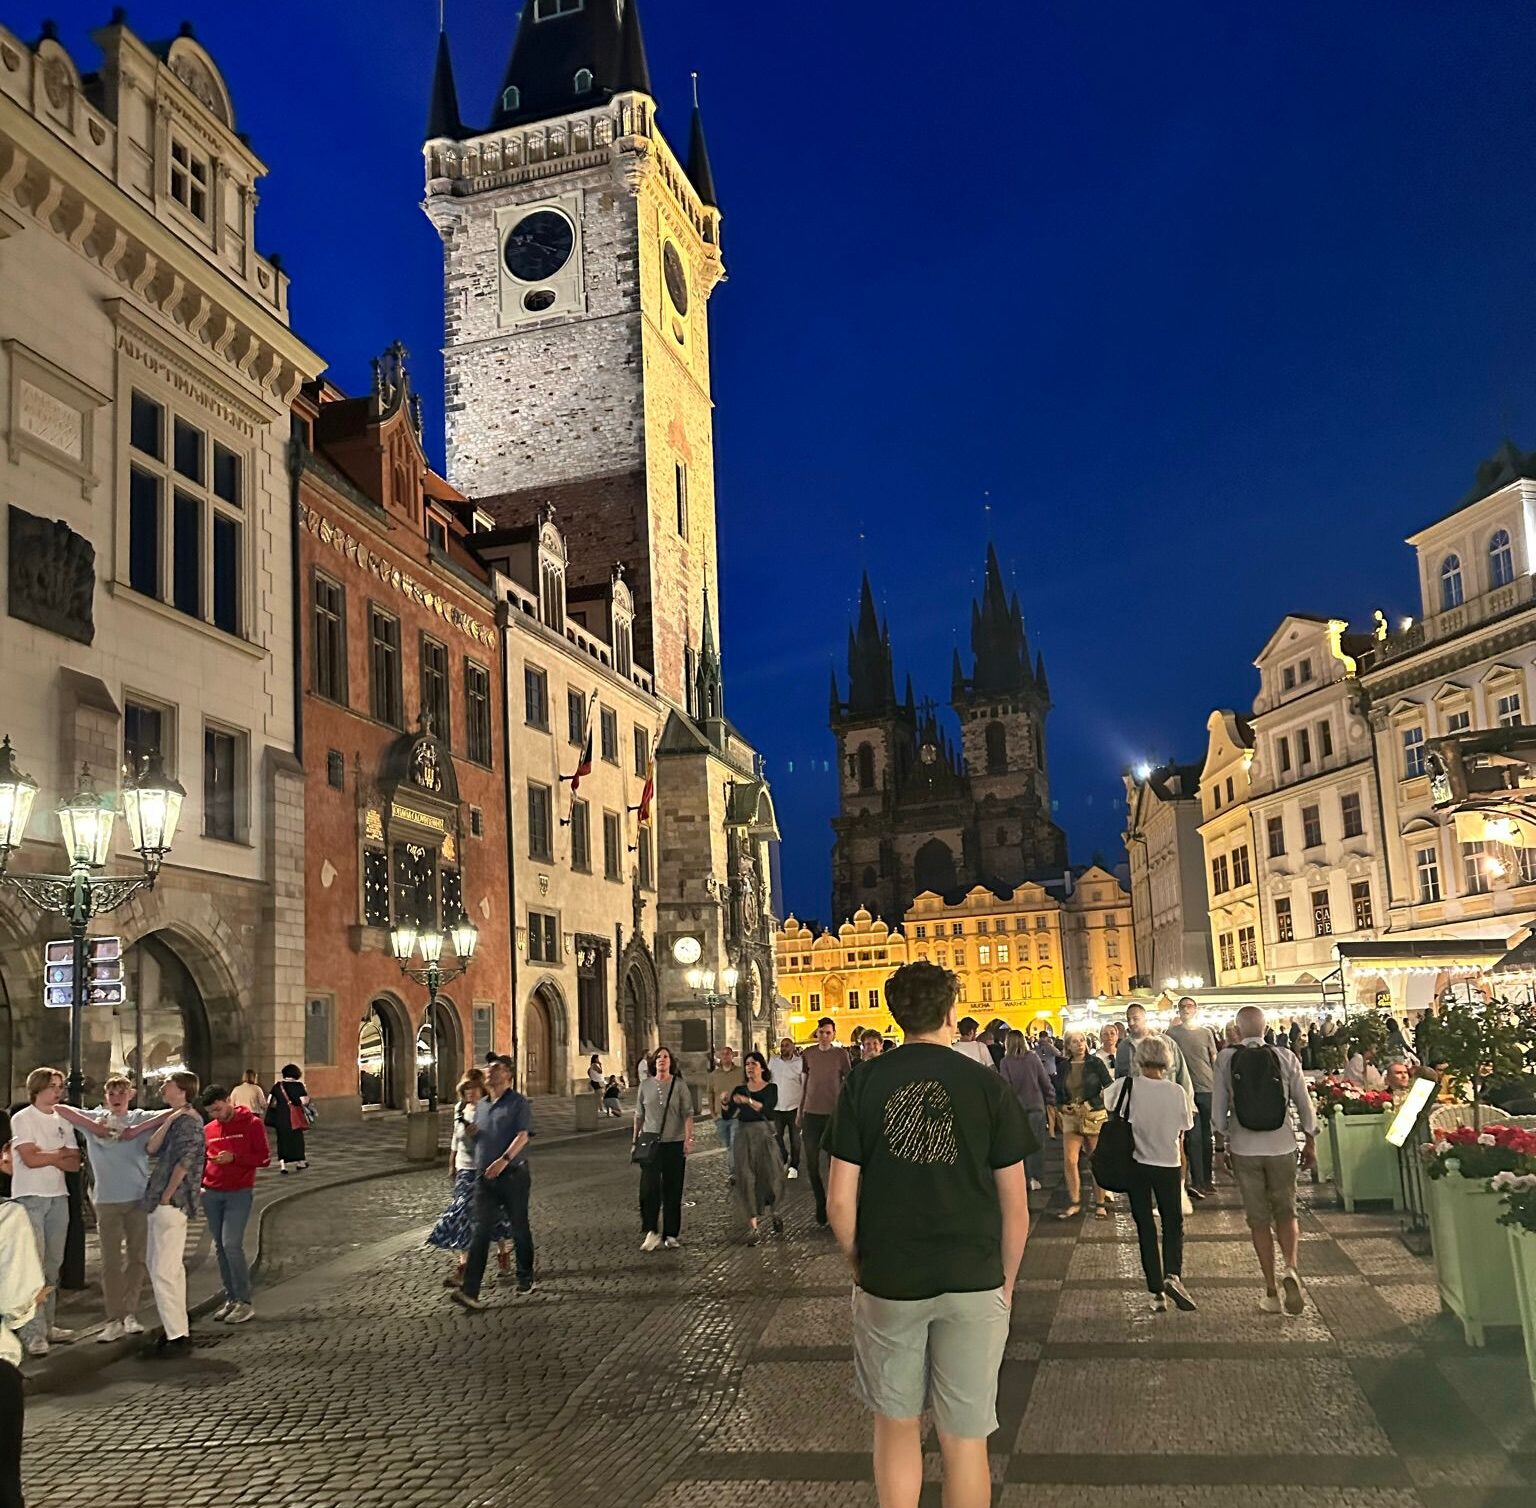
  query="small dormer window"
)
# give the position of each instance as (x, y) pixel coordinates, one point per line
(548, 10)
(511, 99)
(583, 81)
(552, 598)
(189, 180)
(1501, 559)
(1450, 583)
(437, 534)
(623, 646)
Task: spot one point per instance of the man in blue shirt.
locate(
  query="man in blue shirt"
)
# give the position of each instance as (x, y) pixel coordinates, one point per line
(502, 1128)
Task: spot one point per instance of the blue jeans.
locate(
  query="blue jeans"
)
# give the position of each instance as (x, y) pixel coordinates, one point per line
(1034, 1164)
(228, 1212)
(49, 1215)
(498, 1199)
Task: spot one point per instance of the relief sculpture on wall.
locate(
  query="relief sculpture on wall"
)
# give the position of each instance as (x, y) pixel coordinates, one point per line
(52, 576)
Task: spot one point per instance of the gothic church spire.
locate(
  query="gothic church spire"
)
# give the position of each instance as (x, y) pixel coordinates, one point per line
(443, 118)
(565, 60)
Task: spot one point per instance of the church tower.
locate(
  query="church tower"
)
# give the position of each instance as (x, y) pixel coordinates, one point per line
(579, 256)
(1002, 706)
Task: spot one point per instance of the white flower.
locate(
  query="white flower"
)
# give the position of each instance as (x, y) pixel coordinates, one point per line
(1485, 1140)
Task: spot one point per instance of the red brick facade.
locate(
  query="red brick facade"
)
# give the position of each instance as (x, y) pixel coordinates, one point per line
(395, 613)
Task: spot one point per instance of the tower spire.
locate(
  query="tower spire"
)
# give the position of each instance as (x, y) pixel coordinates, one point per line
(581, 57)
(997, 635)
(443, 118)
(700, 174)
(634, 75)
(871, 678)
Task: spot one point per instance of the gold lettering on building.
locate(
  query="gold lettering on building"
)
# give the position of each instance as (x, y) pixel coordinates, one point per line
(400, 812)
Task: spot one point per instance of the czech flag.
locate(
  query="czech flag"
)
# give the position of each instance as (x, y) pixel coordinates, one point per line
(584, 764)
(649, 793)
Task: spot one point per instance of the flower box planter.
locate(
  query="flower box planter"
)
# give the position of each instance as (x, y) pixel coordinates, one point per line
(1365, 1165)
(1522, 1256)
(1472, 1255)
(1324, 1149)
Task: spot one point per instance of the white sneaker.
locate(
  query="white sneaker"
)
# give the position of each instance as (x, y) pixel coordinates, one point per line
(651, 1242)
(38, 1347)
(1035, 1185)
(131, 1326)
(239, 1314)
(1295, 1300)
(1270, 1303)
(222, 1312)
(1159, 1304)
(59, 1336)
(792, 1172)
(1185, 1202)
(671, 1243)
(111, 1331)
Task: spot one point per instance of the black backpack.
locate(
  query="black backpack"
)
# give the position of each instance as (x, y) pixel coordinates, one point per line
(1259, 1097)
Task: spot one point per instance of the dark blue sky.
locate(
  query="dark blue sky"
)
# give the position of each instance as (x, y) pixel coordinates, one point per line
(1217, 302)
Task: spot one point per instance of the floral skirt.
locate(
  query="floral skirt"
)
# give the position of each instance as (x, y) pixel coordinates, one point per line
(455, 1227)
(759, 1168)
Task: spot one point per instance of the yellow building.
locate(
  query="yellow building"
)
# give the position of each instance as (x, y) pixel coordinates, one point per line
(1008, 955)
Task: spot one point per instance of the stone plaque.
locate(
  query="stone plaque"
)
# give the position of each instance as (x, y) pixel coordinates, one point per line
(52, 576)
(51, 420)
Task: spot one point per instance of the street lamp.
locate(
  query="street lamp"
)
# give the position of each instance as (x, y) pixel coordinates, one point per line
(702, 983)
(151, 807)
(406, 939)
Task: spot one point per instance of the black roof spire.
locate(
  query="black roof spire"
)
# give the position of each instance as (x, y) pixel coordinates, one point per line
(709, 687)
(871, 676)
(554, 53)
(700, 174)
(997, 636)
(1041, 684)
(443, 118)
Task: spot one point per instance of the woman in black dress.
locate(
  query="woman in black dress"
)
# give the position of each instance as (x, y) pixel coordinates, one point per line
(285, 1115)
(759, 1184)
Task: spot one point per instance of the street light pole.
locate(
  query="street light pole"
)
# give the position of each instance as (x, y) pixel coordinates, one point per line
(702, 983)
(434, 974)
(151, 807)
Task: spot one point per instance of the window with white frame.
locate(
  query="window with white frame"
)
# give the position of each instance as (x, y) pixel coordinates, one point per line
(1501, 559)
(1228, 951)
(1450, 583)
(188, 179)
(1241, 870)
(1476, 870)
(1507, 710)
(1426, 863)
(547, 10)
(1459, 721)
(1413, 753)
(186, 516)
(1351, 815)
(1248, 947)
(224, 794)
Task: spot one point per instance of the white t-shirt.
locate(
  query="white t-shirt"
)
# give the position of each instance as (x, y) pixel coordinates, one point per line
(1161, 1112)
(789, 1075)
(976, 1051)
(48, 1133)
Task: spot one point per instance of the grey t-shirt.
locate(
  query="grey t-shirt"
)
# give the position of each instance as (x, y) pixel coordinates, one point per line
(653, 1105)
(1198, 1044)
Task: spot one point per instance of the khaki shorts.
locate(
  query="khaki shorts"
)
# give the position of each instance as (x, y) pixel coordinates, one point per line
(1268, 1187)
(1083, 1120)
(942, 1353)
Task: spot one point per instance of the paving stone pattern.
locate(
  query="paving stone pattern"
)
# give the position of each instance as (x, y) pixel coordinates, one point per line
(718, 1376)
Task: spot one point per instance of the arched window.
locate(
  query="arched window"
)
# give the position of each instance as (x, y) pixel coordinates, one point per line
(997, 749)
(552, 599)
(1450, 583)
(511, 98)
(583, 80)
(866, 762)
(1501, 559)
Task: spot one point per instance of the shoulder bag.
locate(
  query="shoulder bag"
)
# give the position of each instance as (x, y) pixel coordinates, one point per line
(643, 1153)
(1115, 1156)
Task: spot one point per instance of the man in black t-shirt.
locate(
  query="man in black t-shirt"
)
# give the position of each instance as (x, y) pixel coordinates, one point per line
(928, 1200)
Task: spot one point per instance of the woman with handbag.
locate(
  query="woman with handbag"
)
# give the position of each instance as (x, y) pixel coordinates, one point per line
(1159, 1112)
(663, 1139)
(290, 1114)
(759, 1185)
(1081, 1079)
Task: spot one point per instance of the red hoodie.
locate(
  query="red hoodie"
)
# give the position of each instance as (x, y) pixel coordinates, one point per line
(245, 1136)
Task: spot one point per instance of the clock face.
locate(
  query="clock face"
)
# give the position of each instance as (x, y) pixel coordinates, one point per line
(687, 951)
(677, 278)
(538, 246)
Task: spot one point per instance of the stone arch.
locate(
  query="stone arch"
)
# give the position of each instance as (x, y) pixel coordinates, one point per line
(933, 867)
(546, 1040)
(444, 1021)
(997, 749)
(639, 1013)
(386, 1082)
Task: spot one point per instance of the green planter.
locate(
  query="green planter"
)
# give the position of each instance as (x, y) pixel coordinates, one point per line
(1522, 1256)
(1365, 1164)
(1324, 1150)
(1472, 1256)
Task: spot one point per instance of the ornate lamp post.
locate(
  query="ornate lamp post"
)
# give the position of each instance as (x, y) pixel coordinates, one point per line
(432, 972)
(702, 983)
(151, 807)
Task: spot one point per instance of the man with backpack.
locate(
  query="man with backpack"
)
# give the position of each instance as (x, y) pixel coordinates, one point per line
(1256, 1086)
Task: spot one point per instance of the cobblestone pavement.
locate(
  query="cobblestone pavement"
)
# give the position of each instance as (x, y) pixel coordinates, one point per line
(718, 1376)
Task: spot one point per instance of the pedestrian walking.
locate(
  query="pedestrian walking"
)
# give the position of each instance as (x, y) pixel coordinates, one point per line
(455, 1228)
(249, 1094)
(969, 1047)
(43, 1150)
(1081, 1079)
(664, 1125)
(1160, 1113)
(759, 1169)
(928, 1202)
(172, 1198)
(1197, 1044)
(288, 1116)
(503, 1127)
(788, 1074)
(826, 1066)
(1045, 1046)
(1110, 1035)
(721, 1080)
(1034, 1089)
(871, 1045)
(236, 1150)
(22, 1291)
(117, 1144)
(1258, 1085)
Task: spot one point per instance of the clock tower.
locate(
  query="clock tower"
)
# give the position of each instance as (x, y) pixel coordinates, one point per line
(580, 252)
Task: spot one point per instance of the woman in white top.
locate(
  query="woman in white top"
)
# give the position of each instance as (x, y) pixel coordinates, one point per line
(21, 1292)
(1160, 1112)
(455, 1226)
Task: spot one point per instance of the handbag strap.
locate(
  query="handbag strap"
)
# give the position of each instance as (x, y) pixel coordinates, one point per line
(661, 1130)
(1123, 1104)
